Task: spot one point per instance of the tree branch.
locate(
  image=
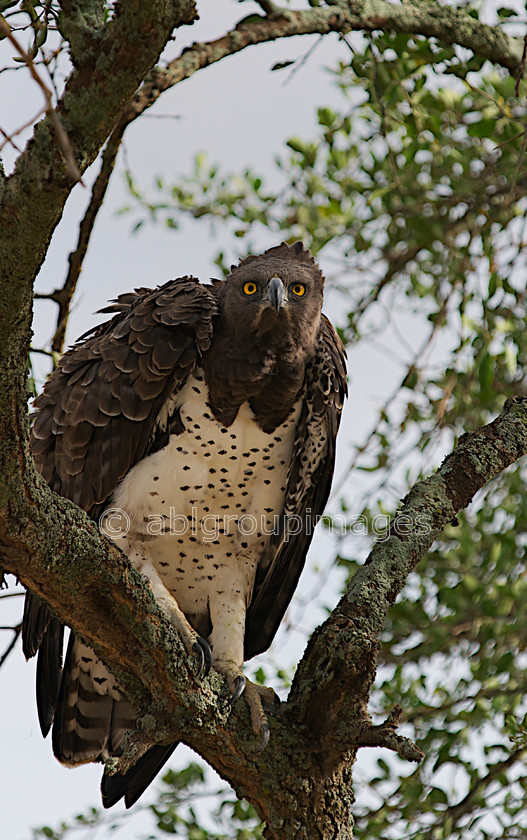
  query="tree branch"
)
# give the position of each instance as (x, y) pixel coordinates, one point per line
(64, 295)
(449, 25)
(56, 550)
(340, 660)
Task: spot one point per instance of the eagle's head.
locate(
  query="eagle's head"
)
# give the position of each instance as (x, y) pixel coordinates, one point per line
(276, 296)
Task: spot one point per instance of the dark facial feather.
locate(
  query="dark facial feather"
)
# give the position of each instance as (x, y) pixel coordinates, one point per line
(258, 353)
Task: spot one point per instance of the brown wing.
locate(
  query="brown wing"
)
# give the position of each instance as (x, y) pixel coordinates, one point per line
(96, 417)
(307, 491)
(98, 410)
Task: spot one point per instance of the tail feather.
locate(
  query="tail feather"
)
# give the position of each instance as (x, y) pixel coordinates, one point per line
(35, 623)
(132, 784)
(49, 672)
(87, 709)
(89, 701)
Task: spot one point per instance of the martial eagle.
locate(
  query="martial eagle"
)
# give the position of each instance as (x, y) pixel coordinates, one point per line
(198, 405)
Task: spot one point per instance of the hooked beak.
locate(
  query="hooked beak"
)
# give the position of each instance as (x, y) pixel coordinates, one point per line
(276, 293)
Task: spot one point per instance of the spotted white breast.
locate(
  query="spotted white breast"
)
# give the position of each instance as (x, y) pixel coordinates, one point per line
(205, 505)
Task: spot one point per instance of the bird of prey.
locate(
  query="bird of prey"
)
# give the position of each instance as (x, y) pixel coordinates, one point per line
(195, 411)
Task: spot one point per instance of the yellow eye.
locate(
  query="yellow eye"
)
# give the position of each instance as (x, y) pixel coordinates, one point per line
(250, 288)
(299, 289)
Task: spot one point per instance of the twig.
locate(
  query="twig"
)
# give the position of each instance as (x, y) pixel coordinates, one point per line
(467, 804)
(60, 133)
(384, 736)
(9, 137)
(76, 258)
(521, 68)
(16, 633)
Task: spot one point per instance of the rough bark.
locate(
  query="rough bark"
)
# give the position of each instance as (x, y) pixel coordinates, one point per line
(301, 784)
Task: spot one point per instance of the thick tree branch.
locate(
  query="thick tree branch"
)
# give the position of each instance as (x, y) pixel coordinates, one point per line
(340, 660)
(90, 585)
(450, 26)
(107, 70)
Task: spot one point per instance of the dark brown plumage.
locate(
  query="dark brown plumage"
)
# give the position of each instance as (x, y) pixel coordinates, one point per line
(221, 399)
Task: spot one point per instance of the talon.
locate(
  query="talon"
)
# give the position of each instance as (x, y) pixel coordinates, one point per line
(239, 683)
(265, 737)
(202, 649)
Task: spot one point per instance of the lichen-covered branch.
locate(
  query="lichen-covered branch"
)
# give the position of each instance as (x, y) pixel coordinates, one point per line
(448, 25)
(56, 550)
(340, 660)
